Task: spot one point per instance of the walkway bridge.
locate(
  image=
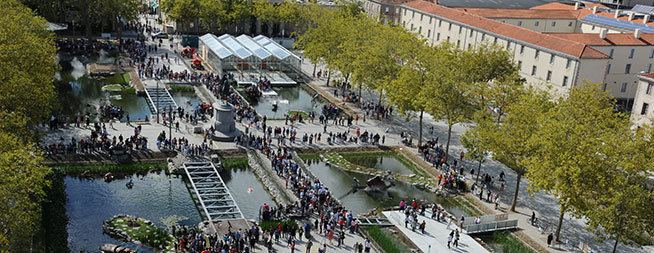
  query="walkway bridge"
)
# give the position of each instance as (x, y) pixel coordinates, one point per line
(159, 99)
(374, 221)
(489, 223)
(212, 194)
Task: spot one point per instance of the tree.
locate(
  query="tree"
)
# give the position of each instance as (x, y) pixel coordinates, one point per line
(450, 93)
(474, 142)
(408, 90)
(577, 143)
(23, 180)
(28, 63)
(183, 11)
(622, 208)
(508, 141)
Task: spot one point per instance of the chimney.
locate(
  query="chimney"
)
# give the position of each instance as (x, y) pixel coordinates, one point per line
(594, 9)
(646, 18)
(577, 5)
(603, 33)
(637, 33)
(631, 16)
(617, 14)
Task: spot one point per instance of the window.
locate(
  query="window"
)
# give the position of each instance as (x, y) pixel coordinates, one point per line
(565, 81)
(608, 68)
(413, 15)
(605, 86)
(440, 22)
(643, 111)
(483, 36)
(448, 38)
(495, 41)
(458, 43)
(611, 52)
(651, 55)
(428, 33)
(551, 59)
(570, 24)
(508, 44)
(567, 63)
(623, 89)
(431, 19)
(421, 16)
(627, 69)
(519, 23)
(411, 27)
(533, 70)
(460, 29)
(404, 23)
(470, 34)
(537, 23)
(593, 28)
(536, 54)
(522, 49)
(554, 23)
(549, 76)
(450, 27)
(649, 68)
(519, 65)
(438, 36)
(631, 53)
(649, 88)
(420, 29)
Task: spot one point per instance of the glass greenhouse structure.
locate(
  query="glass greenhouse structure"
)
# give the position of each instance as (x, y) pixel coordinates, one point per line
(229, 53)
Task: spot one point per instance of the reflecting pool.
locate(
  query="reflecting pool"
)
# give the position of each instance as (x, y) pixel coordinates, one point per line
(155, 197)
(247, 190)
(296, 98)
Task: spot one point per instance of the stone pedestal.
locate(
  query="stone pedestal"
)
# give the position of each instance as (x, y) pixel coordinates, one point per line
(224, 125)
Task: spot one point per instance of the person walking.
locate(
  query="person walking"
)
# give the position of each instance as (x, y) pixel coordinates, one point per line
(456, 238)
(309, 245)
(550, 238)
(366, 246)
(449, 238)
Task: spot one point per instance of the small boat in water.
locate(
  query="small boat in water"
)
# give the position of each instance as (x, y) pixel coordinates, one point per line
(113, 248)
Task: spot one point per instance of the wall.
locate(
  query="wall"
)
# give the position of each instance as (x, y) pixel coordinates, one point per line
(590, 28)
(641, 98)
(437, 30)
(616, 76)
(544, 25)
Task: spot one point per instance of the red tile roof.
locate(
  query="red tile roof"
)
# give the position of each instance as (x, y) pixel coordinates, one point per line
(554, 6)
(522, 13)
(648, 75)
(551, 42)
(612, 39)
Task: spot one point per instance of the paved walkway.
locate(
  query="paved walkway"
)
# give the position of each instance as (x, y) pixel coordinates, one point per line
(436, 234)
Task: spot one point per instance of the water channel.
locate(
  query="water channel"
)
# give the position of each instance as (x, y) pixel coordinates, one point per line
(295, 98)
(341, 183)
(79, 95)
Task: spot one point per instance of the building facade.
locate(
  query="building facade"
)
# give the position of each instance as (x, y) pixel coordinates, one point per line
(643, 110)
(547, 44)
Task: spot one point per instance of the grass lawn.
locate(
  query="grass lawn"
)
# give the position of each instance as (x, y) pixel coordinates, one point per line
(104, 168)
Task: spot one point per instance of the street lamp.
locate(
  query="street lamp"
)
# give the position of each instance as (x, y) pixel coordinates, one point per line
(170, 124)
(156, 109)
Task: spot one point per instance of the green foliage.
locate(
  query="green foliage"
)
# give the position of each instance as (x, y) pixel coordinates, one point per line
(145, 233)
(27, 63)
(181, 88)
(23, 178)
(509, 243)
(101, 169)
(287, 225)
(237, 162)
(386, 242)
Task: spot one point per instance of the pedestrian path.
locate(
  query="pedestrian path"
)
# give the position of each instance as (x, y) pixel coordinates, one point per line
(435, 237)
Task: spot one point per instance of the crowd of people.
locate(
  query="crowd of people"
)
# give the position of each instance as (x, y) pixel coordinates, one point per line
(99, 142)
